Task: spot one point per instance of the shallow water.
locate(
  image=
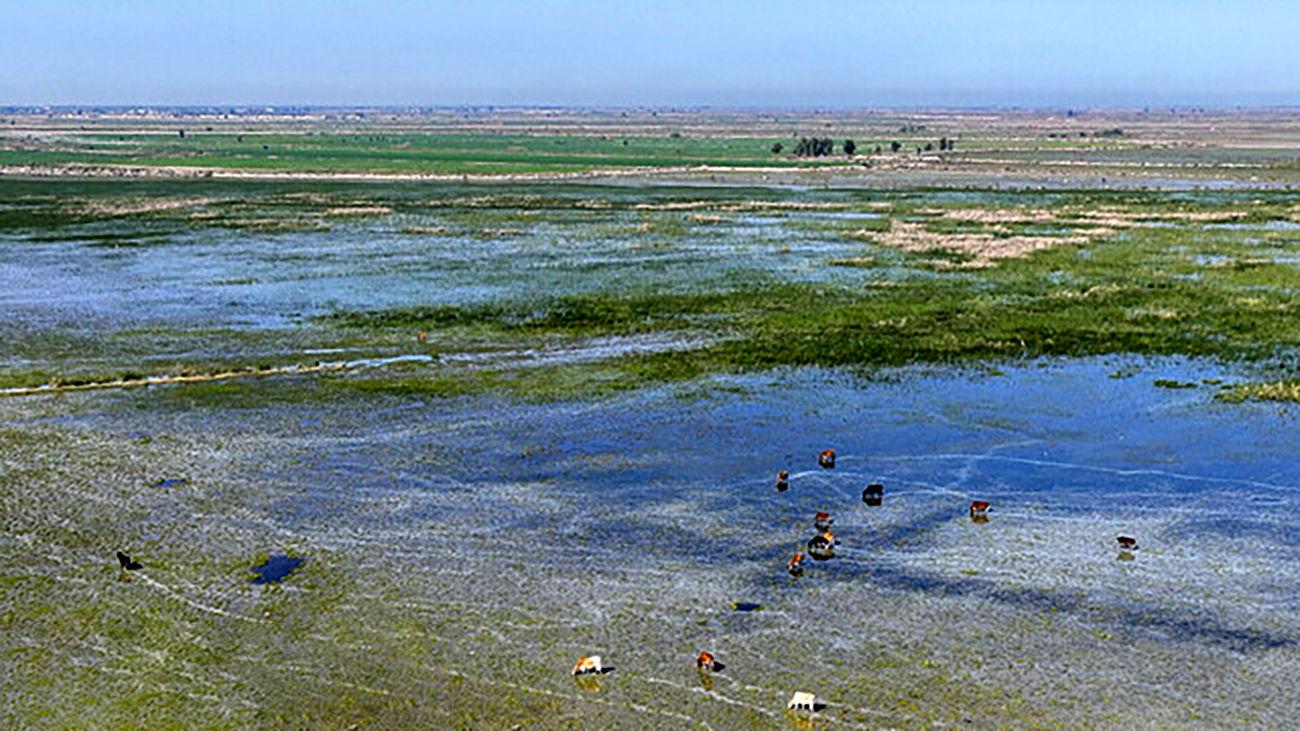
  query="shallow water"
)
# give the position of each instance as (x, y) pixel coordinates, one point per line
(195, 272)
(1279, 225)
(653, 514)
(276, 569)
(465, 551)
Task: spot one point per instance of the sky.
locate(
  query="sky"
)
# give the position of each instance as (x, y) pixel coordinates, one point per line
(815, 53)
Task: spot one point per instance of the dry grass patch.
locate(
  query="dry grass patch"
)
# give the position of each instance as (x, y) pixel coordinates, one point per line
(342, 211)
(1284, 391)
(1159, 313)
(752, 206)
(138, 206)
(998, 215)
(981, 248)
(1095, 292)
(426, 231)
(861, 262)
(1120, 218)
(705, 218)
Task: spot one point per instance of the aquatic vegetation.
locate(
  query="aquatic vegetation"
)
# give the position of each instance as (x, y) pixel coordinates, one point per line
(863, 262)
(770, 303)
(374, 621)
(1283, 390)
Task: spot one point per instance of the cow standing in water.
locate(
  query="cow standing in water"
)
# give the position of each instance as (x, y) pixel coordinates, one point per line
(782, 481)
(979, 511)
(795, 565)
(827, 459)
(588, 665)
(874, 495)
(706, 661)
(822, 547)
(802, 701)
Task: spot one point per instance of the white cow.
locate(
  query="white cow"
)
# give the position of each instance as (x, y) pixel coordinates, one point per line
(801, 701)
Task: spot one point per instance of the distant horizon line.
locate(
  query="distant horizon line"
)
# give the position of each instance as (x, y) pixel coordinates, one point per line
(453, 106)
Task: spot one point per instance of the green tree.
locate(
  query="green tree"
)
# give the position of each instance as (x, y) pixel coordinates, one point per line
(814, 147)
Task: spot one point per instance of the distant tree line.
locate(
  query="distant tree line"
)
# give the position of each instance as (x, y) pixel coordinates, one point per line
(814, 147)
(823, 146)
(1113, 132)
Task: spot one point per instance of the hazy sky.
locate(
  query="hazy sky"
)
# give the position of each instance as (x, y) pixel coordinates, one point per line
(718, 52)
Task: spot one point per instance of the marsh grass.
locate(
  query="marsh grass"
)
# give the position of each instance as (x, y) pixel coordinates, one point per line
(1140, 289)
(1012, 310)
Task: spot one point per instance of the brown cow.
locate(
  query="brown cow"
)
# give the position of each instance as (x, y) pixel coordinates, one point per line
(706, 662)
(795, 565)
(782, 481)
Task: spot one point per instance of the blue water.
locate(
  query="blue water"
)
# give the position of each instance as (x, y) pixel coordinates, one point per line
(1064, 433)
(276, 569)
(1071, 453)
(667, 493)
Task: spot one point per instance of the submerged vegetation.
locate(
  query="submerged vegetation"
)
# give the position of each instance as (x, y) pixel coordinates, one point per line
(746, 279)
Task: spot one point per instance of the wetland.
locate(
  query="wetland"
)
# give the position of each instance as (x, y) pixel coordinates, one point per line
(396, 452)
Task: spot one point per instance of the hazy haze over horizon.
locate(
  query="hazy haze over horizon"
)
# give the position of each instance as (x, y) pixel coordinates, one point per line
(584, 52)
